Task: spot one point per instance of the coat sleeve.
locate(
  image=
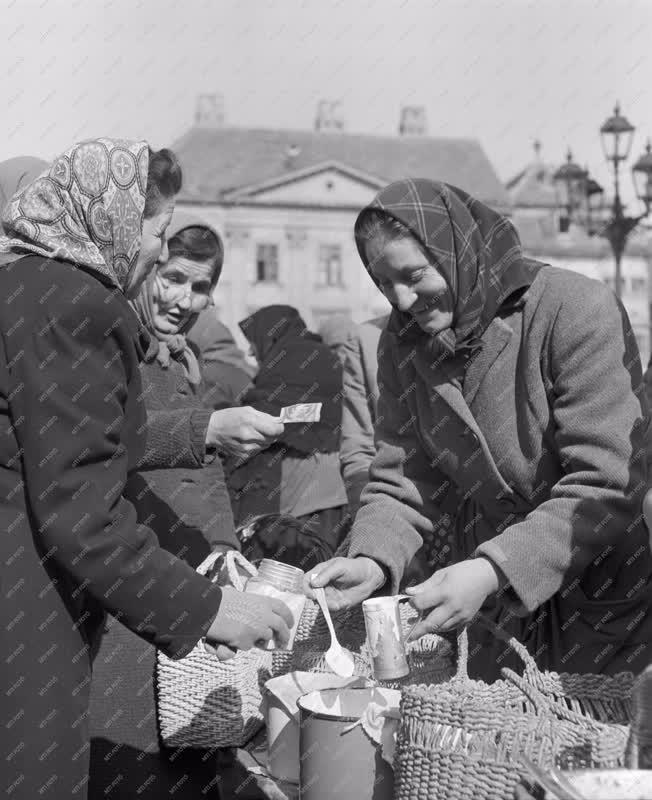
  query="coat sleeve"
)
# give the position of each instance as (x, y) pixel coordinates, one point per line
(175, 438)
(357, 448)
(599, 435)
(68, 404)
(397, 506)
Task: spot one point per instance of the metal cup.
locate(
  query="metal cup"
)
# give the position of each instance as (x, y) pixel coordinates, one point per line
(382, 621)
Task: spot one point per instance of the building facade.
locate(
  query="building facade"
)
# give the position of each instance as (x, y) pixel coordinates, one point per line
(286, 202)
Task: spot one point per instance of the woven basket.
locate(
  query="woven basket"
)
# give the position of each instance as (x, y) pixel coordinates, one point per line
(203, 702)
(464, 738)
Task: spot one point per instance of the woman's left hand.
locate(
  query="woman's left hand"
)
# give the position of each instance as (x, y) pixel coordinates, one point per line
(455, 594)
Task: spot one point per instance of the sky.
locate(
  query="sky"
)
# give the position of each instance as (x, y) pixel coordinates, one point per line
(505, 72)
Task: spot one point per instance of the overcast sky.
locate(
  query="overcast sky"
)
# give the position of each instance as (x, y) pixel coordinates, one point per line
(503, 71)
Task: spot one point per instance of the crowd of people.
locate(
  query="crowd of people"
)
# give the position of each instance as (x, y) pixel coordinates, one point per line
(484, 446)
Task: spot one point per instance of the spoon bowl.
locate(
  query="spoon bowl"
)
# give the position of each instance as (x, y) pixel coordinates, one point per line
(338, 658)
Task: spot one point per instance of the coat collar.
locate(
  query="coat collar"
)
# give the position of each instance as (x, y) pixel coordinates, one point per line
(494, 341)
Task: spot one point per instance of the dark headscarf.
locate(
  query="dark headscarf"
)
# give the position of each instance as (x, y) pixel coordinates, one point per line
(295, 367)
(16, 173)
(476, 250)
(165, 346)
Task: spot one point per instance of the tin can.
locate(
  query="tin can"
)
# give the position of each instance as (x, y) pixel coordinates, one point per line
(382, 621)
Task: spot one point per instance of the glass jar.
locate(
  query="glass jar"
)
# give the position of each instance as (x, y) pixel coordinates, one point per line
(285, 582)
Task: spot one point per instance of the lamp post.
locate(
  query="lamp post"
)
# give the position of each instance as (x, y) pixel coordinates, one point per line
(581, 197)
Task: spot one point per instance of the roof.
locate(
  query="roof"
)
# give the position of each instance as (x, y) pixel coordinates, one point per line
(533, 187)
(220, 160)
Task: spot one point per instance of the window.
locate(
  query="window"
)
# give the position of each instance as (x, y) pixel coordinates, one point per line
(267, 263)
(611, 283)
(330, 265)
(638, 284)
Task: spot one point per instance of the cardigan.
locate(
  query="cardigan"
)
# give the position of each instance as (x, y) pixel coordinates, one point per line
(540, 467)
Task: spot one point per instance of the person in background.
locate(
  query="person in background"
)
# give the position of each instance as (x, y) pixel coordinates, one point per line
(226, 375)
(16, 173)
(511, 428)
(299, 475)
(359, 354)
(81, 239)
(180, 490)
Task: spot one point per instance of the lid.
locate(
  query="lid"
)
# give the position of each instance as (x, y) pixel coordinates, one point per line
(284, 577)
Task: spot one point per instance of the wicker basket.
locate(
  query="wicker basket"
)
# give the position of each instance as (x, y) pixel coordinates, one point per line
(464, 739)
(203, 702)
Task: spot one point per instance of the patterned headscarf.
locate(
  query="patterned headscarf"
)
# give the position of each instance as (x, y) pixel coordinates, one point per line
(476, 250)
(164, 346)
(86, 208)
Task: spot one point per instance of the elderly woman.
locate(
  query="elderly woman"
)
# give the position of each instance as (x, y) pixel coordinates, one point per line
(16, 173)
(511, 442)
(82, 238)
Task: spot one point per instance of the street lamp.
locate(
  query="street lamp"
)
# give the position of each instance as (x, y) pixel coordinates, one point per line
(580, 196)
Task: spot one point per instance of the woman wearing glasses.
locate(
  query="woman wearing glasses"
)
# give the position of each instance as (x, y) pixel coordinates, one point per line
(179, 490)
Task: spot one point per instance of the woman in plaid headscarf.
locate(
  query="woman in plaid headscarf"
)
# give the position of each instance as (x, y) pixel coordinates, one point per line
(510, 437)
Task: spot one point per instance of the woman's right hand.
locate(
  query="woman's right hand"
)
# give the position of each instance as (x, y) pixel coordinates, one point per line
(241, 432)
(346, 581)
(245, 620)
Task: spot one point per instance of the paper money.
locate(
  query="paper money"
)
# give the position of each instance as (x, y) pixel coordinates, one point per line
(301, 412)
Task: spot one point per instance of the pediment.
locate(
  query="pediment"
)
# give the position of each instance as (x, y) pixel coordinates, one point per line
(329, 184)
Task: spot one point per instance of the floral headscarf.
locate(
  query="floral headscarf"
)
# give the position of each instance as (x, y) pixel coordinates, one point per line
(476, 250)
(86, 208)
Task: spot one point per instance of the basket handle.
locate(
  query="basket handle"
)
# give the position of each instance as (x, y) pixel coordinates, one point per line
(542, 702)
(531, 669)
(232, 559)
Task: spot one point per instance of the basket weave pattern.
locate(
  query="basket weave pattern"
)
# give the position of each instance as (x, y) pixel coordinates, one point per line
(203, 702)
(464, 739)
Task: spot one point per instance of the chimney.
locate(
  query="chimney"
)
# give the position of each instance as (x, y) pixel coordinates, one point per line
(413, 121)
(209, 112)
(329, 116)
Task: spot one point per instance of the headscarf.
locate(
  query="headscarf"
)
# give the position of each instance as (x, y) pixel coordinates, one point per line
(295, 367)
(86, 208)
(216, 343)
(164, 346)
(16, 173)
(476, 250)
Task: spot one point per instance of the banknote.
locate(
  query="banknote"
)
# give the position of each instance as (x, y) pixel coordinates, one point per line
(301, 412)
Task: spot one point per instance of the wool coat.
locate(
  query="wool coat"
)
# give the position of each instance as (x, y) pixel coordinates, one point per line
(359, 353)
(74, 423)
(540, 468)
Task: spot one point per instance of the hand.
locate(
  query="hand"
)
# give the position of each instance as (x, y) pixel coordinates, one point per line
(455, 594)
(242, 432)
(346, 581)
(245, 620)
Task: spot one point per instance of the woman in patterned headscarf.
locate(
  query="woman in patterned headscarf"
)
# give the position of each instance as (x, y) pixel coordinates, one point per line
(81, 238)
(510, 441)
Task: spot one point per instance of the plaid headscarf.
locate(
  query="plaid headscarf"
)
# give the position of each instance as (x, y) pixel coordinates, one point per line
(85, 208)
(476, 250)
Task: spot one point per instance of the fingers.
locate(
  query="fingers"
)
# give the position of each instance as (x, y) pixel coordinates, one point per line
(265, 634)
(329, 571)
(267, 425)
(440, 620)
(279, 608)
